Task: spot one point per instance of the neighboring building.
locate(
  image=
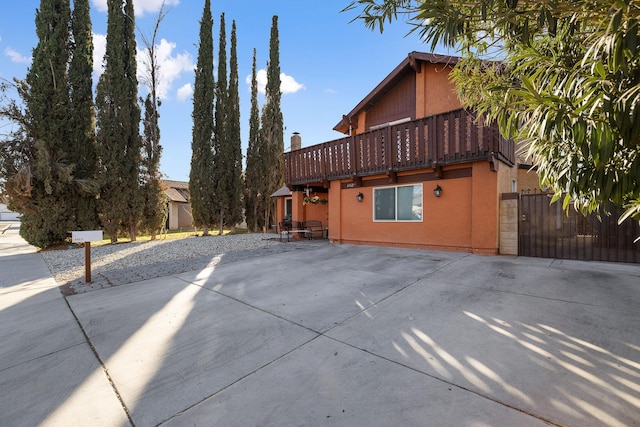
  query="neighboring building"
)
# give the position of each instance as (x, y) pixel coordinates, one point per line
(179, 208)
(415, 169)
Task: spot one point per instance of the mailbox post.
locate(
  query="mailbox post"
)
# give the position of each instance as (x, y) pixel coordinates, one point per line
(86, 237)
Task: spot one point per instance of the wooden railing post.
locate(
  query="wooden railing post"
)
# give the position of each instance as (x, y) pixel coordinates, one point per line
(354, 155)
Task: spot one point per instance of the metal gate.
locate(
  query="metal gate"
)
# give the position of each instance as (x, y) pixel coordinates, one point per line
(549, 232)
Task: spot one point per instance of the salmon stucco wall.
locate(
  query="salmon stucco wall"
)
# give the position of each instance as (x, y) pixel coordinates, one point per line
(304, 212)
(334, 210)
(446, 222)
(528, 181)
(463, 218)
(317, 212)
(435, 93)
(485, 207)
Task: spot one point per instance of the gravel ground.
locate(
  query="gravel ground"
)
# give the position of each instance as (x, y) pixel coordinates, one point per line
(123, 263)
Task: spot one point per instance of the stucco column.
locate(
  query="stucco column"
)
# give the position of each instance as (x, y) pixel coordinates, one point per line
(509, 224)
(297, 207)
(335, 211)
(484, 210)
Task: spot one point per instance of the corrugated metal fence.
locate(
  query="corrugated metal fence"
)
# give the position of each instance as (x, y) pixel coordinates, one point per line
(547, 231)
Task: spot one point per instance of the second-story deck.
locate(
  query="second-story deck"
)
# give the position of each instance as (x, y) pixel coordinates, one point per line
(438, 140)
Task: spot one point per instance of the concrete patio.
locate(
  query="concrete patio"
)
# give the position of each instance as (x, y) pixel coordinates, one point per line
(335, 335)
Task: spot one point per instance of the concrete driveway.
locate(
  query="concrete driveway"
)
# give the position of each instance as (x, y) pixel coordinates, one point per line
(334, 335)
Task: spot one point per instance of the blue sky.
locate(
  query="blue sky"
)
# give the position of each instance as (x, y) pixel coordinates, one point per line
(327, 63)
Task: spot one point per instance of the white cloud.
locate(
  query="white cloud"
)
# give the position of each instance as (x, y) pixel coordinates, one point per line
(288, 84)
(99, 49)
(331, 91)
(261, 79)
(17, 56)
(140, 7)
(185, 92)
(170, 66)
(101, 5)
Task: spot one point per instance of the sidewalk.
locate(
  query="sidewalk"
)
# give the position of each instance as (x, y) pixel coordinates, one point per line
(336, 335)
(48, 372)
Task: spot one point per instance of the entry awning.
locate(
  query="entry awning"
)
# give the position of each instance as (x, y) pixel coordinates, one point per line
(282, 192)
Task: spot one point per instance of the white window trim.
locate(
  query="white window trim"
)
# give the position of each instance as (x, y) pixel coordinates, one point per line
(373, 207)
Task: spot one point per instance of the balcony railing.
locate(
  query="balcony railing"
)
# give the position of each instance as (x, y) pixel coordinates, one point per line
(443, 139)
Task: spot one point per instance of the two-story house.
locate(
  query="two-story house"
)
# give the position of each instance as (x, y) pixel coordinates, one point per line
(414, 168)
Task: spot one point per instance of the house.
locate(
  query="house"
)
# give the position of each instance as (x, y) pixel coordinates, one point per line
(414, 169)
(179, 208)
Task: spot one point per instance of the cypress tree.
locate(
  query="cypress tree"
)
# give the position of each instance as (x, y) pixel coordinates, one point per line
(234, 143)
(201, 175)
(272, 125)
(254, 175)
(155, 208)
(83, 153)
(118, 120)
(220, 136)
(227, 143)
(45, 206)
(154, 212)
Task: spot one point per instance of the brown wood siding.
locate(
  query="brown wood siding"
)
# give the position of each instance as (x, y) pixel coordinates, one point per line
(398, 103)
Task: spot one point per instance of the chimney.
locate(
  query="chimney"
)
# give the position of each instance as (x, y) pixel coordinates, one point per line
(296, 141)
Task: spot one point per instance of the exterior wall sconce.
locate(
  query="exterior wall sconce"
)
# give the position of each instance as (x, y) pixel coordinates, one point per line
(437, 191)
(360, 197)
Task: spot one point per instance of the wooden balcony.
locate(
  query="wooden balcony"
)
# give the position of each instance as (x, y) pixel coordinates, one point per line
(443, 139)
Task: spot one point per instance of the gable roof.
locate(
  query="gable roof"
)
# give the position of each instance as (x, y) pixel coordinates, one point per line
(177, 191)
(408, 65)
(174, 195)
(176, 184)
(282, 192)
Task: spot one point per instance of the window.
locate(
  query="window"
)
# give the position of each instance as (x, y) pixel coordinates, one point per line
(288, 208)
(402, 203)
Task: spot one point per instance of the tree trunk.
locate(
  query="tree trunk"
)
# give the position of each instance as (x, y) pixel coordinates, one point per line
(132, 234)
(255, 216)
(266, 218)
(221, 222)
(205, 230)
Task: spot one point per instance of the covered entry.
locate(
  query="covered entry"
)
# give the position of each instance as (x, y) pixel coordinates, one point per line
(547, 231)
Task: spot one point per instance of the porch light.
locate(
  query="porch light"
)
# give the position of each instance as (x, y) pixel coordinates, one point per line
(437, 191)
(359, 197)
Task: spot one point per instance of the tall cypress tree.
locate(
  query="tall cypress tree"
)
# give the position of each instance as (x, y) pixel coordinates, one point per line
(220, 137)
(227, 143)
(201, 176)
(154, 211)
(118, 121)
(155, 208)
(46, 210)
(234, 143)
(272, 125)
(254, 175)
(83, 144)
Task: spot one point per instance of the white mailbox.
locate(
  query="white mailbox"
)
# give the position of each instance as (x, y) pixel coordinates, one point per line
(86, 236)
